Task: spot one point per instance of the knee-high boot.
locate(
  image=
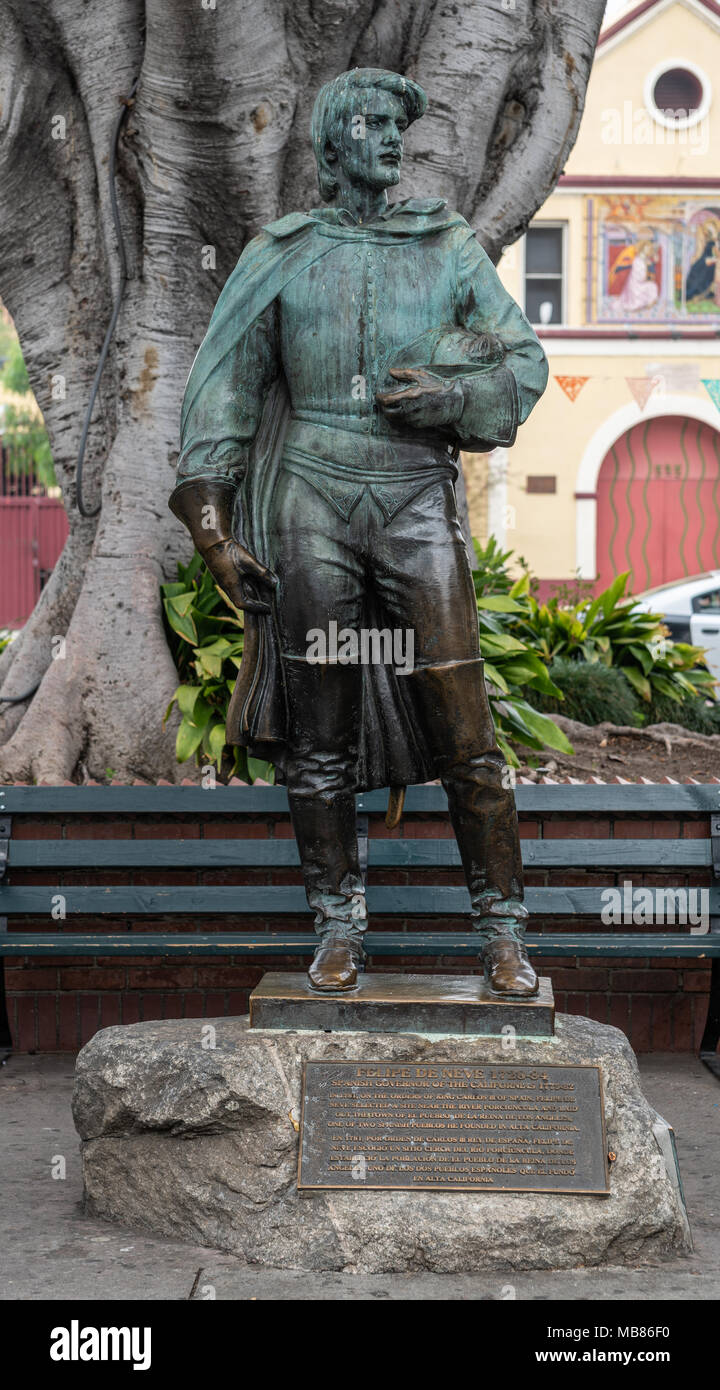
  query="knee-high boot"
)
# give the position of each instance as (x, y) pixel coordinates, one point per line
(453, 707)
(322, 805)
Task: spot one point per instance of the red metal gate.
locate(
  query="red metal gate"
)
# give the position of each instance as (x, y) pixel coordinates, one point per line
(658, 499)
(33, 531)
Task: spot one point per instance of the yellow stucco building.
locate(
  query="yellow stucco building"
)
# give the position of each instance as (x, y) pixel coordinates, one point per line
(619, 465)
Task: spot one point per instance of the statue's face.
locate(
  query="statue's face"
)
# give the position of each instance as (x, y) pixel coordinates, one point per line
(371, 147)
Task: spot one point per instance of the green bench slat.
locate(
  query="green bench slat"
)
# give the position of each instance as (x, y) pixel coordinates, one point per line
(631, 798)
(246, 899)
(410, 853)
(19, 943)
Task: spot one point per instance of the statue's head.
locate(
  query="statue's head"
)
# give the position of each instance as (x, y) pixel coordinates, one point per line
(357, 128)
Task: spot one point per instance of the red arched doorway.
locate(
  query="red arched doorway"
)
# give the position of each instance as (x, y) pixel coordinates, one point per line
(658, 503)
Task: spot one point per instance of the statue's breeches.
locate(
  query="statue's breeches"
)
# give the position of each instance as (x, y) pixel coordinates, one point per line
(410, 576)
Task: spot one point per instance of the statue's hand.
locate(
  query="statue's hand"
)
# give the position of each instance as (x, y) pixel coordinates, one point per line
(426, 402)
(247, 583)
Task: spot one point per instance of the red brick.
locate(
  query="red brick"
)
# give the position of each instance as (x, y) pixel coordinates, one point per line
(90, 977)
(110, 1010)
(238, 1003)
(597, 1007)
(565, 977)
(236, 829)
(151, 1007)
(662, 1024)
(619, 1012)
(193, 1002)
(172, 1006)
(228, 977)
(214, 1005)
(36, 829)
(47, 1023)
(640, 1017)
(696, 980)
(68, 1032)
(577, 1004)
(161, 977)
(682, 1023)
(641, 981)
(656, 829)
(100, 829)
(428, 830)
(166, 830)
(699, 1021)
(696, 830)
(89, 1016)
(152, 878)
(29, 978)
(590, 829)
(130, 1008)
(529, 829)
(25, 1023)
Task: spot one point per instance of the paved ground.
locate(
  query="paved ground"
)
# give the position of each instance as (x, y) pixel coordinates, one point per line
(48, 1249)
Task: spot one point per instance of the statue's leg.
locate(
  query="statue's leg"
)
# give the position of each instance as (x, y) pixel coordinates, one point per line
(425, 584)
(321, 581)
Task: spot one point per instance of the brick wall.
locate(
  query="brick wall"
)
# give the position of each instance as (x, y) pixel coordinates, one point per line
(56, 1004)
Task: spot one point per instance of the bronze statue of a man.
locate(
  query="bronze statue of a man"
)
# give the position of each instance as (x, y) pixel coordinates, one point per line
(353, 352)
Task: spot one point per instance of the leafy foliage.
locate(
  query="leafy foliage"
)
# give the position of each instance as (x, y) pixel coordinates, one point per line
(591, 693)
(612, 630)
(512, 667)
(206, 639)
(594, 659)
(23, 431)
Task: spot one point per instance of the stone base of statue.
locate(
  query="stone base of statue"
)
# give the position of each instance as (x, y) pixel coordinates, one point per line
(418, 1151)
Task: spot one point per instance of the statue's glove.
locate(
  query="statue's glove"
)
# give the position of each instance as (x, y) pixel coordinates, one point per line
(243, 578)
(426, 402)
(206, 505)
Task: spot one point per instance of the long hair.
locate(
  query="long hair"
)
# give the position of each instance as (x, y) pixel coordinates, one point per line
(332, 103)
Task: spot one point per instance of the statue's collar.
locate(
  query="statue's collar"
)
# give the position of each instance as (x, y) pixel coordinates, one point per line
(412, 207)
(410, 218)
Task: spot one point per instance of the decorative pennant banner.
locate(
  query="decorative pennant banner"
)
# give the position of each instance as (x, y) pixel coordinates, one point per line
(572, 385)
(642, 388)
(712, 386)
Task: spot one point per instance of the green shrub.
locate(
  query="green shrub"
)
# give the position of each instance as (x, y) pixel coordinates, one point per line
(695, 715)
(592, 693)
(205, 633)
(593, 660)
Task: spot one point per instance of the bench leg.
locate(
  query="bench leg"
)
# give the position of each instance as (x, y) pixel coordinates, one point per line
(708, 1047)
(5, 1036)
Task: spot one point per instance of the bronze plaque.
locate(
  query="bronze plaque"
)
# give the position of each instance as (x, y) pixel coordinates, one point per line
(451, 1127)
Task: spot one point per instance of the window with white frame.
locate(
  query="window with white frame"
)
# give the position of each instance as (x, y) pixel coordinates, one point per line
(545, 272)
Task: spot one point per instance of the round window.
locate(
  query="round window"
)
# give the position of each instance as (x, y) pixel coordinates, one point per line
(677, 94)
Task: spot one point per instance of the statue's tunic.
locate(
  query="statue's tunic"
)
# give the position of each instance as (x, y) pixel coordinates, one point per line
(360, 519)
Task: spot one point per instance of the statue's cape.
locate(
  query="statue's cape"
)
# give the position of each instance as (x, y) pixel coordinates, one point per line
(389, 751)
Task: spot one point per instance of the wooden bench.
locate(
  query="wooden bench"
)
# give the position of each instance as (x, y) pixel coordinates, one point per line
(574, 909)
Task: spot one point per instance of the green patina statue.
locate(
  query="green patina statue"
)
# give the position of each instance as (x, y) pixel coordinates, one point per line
(353, 352)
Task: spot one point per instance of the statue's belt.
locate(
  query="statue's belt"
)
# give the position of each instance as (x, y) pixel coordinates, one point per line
(341, 464)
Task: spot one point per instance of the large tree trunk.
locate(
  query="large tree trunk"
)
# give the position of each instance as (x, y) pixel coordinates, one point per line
(215, 145)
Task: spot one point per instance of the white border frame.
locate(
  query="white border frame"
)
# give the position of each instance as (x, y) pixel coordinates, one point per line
(617, 424)
(657, 114)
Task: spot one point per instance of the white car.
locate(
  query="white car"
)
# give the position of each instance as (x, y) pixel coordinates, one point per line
(691, 610)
